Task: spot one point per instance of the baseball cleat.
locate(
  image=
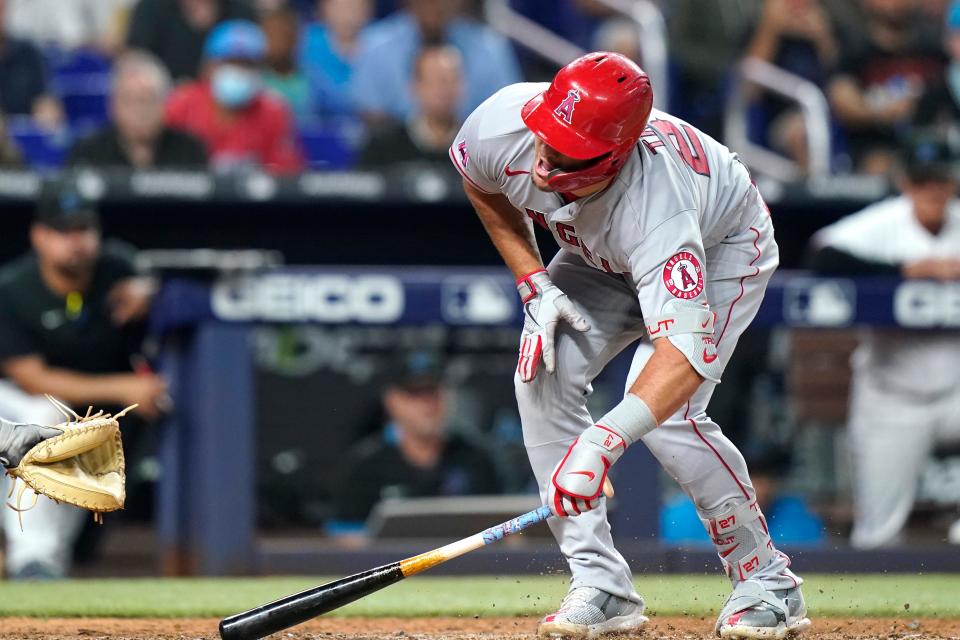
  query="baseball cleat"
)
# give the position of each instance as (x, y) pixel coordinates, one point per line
(754, 612)
(587, 612)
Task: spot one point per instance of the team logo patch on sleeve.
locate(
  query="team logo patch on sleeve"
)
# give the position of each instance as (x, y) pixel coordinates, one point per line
(683, 276)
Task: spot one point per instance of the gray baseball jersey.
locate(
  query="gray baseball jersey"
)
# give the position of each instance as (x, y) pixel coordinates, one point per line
(678, 196)
(685, 226)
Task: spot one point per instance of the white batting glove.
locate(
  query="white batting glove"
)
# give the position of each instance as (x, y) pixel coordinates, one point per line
(544, 305)
(577, 481)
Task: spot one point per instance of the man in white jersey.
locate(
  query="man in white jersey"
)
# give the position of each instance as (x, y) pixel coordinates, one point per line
(904, 397)
(663, 235)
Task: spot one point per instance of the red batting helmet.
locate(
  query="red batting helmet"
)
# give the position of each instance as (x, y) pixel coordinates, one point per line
(596, 107)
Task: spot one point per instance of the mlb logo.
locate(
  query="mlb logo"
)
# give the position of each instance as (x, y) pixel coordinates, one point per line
(478, 301)
(811, 302)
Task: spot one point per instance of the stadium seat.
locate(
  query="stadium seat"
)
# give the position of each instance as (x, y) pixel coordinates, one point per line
(327, 148)
(78, 62)
(82, 81)
(87, 104)
(41, 149)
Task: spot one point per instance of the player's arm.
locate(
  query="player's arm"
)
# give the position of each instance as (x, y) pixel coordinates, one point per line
(853, 109)
(32, 374)
(544, 304)
(667, 381)
(833, 261)
(509, 231)
(856, 246)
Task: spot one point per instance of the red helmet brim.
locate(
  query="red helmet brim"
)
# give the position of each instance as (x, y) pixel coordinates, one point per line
(548, 126)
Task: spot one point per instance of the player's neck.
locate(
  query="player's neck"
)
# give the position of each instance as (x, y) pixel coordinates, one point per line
(61, 283)
(421, 452)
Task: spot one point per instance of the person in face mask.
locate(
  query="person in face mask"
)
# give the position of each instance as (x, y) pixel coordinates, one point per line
(243, 126)
(939, 107)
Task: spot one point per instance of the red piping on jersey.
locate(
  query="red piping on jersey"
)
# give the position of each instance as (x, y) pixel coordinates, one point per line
(453, 158)
(693, 423)
(752, 275)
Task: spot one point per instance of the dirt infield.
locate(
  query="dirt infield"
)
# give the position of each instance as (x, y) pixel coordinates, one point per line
(660, 628)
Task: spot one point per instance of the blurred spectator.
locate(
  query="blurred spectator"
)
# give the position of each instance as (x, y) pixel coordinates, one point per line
(884, 67)
(935, 10)
(415, 455)
(427, 135)
(328, 52)
(939, 107)
(795, 35)
(175, 30)
(904, 398)
(381, 81)
(23, 79)
(137, 136)
(619, 35)
(71, 315)
(706, 39)
(69, 24)
(282, 30)
(10, 157)
(242, 125)
(573, 20)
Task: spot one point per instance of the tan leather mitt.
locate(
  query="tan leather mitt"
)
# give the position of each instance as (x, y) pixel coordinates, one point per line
(83, 466)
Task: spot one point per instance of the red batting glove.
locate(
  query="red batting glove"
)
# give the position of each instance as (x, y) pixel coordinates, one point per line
(577, 481)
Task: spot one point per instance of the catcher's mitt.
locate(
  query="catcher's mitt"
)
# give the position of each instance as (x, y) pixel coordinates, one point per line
(82, 466)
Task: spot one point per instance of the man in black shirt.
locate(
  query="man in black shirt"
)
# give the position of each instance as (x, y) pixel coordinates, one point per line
(415, 455)
(175, 30)
(70, 315)
(138, 138)
(884, 68)
(426, 138)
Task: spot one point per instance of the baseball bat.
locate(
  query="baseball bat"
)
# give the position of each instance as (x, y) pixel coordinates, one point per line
(310, 603)
(299, 607)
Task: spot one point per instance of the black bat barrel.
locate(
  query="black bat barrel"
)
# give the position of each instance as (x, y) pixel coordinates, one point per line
(300, 607)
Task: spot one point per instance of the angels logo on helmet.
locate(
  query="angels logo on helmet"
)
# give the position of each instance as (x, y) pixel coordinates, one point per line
(565, 108)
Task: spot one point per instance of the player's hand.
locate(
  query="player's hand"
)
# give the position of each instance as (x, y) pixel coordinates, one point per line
(130, 300)
(544, 305)
(944, 269)
(17, 439)
(147, 391)
(578, 480)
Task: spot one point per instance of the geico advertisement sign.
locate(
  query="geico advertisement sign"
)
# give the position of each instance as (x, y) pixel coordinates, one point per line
(316, 297)
(927, 304)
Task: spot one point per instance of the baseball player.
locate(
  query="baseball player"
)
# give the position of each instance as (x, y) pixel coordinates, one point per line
(899, 408)
(663, 236)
